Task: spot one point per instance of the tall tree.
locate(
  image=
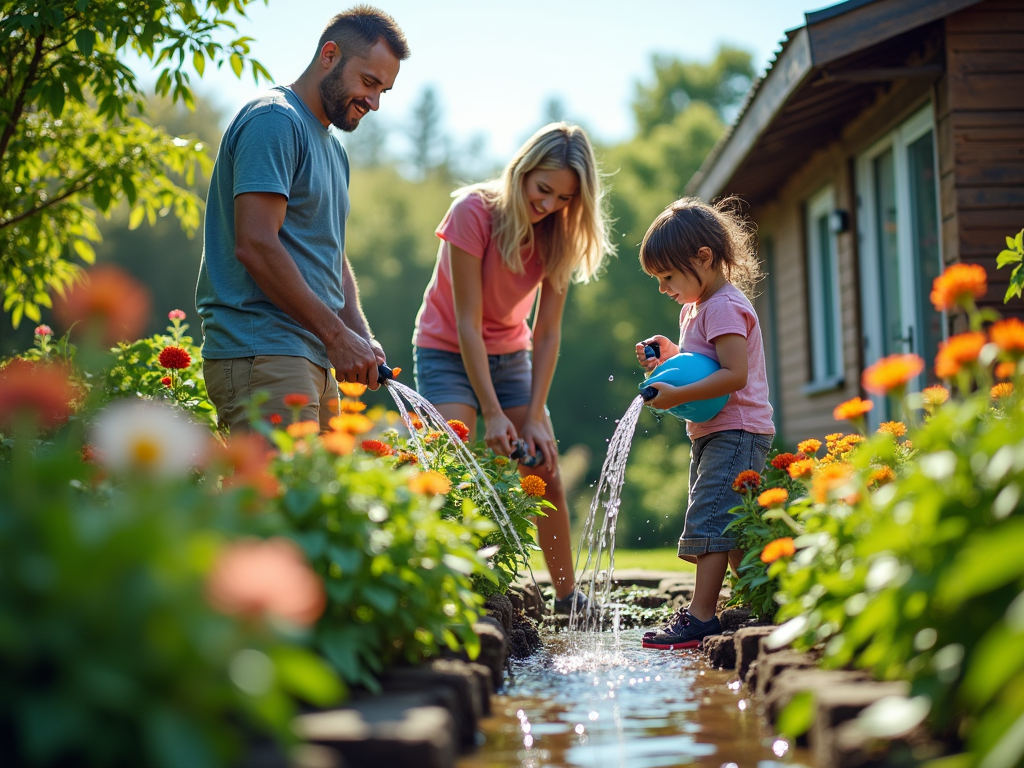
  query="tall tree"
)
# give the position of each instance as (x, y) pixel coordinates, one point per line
(720, 83)
(72, 142)
(425, 133)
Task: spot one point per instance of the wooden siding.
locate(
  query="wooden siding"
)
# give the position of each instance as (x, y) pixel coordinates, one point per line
(981, 129)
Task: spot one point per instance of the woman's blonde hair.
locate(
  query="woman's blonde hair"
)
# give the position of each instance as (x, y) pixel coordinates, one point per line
(574, 241)
(689, 224)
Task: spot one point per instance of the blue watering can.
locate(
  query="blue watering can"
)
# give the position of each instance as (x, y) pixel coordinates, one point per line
(684, 368)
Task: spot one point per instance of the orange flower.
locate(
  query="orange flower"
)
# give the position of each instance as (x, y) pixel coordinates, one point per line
(852, 409)
(430, 483)
(351, 388)
(354, 423)
(801, 469)
(783, 460)
(935, 395)
(773, 550)
(1005, 370)
(958, 284)
(501, 461)
(296, 400)
(377, 448)
(405, 457)
(533, 485)
(431, 437)
(958, 351)
(1008, 335)
(107, 300)
(892, 372)
(248, 457)
(303, 428)
(352, 406)
(1001, 390)
(459, 429)
(38, 393)
(252, 578)
(828, 479)
(881, 476)
(339, 443)
(809, 447)
(746, 481)
(894, 428)
(773, 497)
(174, 357)
(416, 421)
(833, 437)
(847, 443)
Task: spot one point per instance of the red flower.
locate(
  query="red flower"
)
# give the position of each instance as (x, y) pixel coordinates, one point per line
(43, 330)
(377, 448)
(40, 393)
(275, 419)
(783, 460)
(166, 381)
(176, 314)
(295, 400)
(460, 429)
(175, 358)
(746, 481)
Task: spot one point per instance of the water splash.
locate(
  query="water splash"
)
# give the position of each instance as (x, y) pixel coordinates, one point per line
(601, 540)
(431, 417)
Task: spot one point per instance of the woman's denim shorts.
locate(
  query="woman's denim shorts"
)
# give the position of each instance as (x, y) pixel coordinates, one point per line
(715, 460)
(441, 377)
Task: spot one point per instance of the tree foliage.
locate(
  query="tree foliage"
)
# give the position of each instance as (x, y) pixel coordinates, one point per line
(73, 141)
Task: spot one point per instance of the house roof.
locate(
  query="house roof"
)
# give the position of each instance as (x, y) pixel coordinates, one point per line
(825, 73)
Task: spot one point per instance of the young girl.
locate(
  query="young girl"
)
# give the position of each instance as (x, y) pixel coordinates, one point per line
(540, 225)
(703, 258)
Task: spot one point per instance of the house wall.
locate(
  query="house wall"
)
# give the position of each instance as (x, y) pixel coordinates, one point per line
(980, 116)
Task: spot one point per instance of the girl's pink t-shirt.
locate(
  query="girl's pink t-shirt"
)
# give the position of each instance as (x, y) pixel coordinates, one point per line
(507, 297)
(729, 311)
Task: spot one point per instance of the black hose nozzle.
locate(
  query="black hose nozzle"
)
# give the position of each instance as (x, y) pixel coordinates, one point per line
(523, 456)
(649, 393)
(384, 373)
(652, 350)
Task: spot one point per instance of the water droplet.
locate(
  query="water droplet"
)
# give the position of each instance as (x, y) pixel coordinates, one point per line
(528, 741)
(743, 704)
(580, 728)
(611, 378)
(593, 716)
(780, 747)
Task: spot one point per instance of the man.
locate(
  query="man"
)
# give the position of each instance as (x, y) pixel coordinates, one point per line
(278, 300)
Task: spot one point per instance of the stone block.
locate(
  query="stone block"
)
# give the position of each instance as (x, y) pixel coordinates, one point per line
(747, 642)
(852, 747)
(771, 664)
(735, 618)
(484, 682)
(452, 688)
(720, 651)
(493, 649)
(499, 606)
(533, 603)
(836, 704)
(396, 729)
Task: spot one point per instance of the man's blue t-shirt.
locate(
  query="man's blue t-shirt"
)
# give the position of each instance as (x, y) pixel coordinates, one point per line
(274, 144)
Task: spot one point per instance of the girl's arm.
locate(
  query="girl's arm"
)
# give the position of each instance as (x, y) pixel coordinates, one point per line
(547, 339)
(468, 295)
(732, 376)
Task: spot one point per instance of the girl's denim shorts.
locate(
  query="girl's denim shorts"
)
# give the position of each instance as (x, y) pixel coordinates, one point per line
(441, 377)
(715, 460)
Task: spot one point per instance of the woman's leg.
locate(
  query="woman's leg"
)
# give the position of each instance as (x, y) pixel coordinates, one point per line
(553, 530)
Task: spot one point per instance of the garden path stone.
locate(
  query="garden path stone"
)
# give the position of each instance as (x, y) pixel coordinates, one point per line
(735, 618)
(452, 689)
(500, 607)
(748, 641)
(530, 598)
(406, 730)
(853, 748)
(771, 665)
(836, 704)
(720, 651)
(493, 649)
(789, 682)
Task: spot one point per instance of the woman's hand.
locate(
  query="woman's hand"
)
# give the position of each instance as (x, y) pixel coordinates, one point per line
(667, 347)
(500, 434)
(538, 436)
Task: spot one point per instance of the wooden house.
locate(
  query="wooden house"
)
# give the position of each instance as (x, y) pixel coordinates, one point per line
(885, 141)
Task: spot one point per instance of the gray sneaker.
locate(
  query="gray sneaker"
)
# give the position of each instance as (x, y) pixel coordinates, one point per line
(565, 604)
(684, 632)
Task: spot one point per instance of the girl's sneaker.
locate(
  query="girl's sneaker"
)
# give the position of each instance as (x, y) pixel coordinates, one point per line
(684, 632)
(565, 604)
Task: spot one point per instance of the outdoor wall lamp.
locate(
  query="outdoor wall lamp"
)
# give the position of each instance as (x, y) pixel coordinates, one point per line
(838, 221)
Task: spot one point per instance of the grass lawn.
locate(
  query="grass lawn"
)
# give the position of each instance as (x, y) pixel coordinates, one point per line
(649, 559)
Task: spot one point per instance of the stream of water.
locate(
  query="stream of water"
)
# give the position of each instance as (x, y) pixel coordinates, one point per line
(598, 700)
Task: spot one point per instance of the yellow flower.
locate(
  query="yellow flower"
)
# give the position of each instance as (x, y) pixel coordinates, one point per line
(533, 485)
(935, 395)
(809, 447)
(773, 497)
(894, 428)
(430, 483)
(783, 547)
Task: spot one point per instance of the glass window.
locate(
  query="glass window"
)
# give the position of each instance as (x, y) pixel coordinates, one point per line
(825, 321)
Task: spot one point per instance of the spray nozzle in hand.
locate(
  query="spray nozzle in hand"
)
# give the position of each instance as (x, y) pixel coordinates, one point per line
(649, 393)
(652, 350)
(384, 373)
(522, 455)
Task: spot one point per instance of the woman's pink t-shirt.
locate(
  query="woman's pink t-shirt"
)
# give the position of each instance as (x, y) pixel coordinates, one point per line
(729, 311)
(507, 297)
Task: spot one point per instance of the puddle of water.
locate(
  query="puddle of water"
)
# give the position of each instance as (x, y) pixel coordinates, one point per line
(597, 700)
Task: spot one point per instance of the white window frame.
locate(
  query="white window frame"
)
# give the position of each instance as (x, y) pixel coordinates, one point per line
(898, 140)
(825, 352)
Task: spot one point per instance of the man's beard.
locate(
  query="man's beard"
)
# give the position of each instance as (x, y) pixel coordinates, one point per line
(336, 100)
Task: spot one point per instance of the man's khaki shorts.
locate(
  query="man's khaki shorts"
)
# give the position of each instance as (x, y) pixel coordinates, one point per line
(231, 384)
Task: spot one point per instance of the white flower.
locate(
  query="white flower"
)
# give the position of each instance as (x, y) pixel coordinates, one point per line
(144, 436)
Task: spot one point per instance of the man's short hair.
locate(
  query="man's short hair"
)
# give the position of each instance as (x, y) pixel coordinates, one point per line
(358, 29)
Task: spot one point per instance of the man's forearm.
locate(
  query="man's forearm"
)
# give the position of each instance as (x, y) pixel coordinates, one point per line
(352, 313)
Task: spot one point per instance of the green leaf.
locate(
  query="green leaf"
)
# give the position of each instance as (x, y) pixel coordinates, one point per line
(1007, 257)
(199, 62)
(797, 717)
(988, 560)
(84, 250)
(175, 742)
(381, 598)
(136, 217)
(85, 39)
(236, 64)
(307, 676)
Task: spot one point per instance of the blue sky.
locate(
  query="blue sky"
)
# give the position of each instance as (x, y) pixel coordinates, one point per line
(495, 64)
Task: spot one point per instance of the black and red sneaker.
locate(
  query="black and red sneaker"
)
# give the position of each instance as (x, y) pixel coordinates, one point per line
(684, 632)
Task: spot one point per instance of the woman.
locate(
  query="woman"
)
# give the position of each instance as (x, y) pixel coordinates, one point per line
(538, 226)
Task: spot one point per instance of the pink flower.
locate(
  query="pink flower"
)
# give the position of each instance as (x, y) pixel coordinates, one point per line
(44, 330)
(176, 314)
